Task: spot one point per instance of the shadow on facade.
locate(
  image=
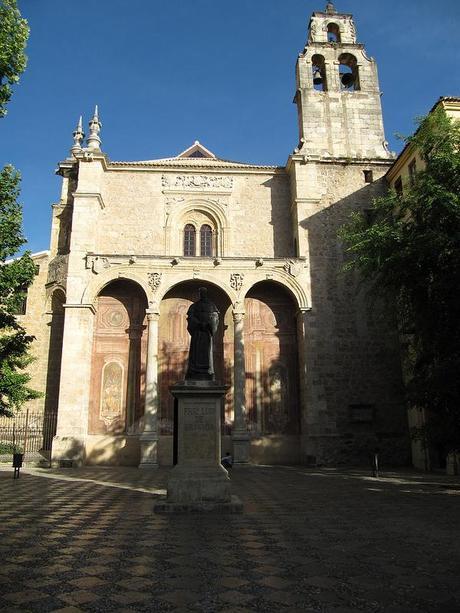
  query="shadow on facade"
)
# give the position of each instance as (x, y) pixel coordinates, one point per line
(53, 376)
(283, 245)
(271, 365)
(356, 399)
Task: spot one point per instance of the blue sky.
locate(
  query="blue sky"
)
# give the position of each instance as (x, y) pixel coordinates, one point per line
(167, 73)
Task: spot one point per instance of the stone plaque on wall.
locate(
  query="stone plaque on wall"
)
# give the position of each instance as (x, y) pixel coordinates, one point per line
(199, 432)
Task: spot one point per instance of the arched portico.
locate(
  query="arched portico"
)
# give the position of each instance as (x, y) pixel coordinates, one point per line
(138, 362)
(266, 375)
(118, 360)
(97, 283)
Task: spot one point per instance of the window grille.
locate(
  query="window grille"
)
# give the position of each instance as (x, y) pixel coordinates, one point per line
(206, 241)
(189, 240)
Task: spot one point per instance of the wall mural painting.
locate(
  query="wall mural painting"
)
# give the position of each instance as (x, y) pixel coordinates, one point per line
(111, 408)
(118, 362)
(272, 402)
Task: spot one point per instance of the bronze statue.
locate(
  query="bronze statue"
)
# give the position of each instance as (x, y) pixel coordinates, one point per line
(202, 323)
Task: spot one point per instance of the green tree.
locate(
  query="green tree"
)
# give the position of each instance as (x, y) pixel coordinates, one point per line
(409, 248)
(15, 274)
(14, 32)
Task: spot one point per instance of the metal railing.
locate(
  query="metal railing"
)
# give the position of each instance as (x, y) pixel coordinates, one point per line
(30, 433)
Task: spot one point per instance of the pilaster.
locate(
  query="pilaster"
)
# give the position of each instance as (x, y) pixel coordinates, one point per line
(74, 390)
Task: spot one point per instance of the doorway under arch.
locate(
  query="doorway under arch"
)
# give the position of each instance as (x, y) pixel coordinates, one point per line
(174, 342)
(271, 360)
(118, 360)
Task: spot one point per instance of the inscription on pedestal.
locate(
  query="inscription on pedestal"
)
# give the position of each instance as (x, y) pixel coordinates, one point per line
(199, 433)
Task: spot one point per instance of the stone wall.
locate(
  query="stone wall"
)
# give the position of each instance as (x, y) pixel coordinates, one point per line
(143, 216)
(35, 321)
(354, 386)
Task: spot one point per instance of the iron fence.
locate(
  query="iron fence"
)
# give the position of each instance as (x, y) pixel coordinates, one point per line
(30, 433)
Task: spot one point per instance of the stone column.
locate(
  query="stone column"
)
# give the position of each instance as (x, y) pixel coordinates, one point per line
(69, 444)
(135, 335)
(149, 436)
(240, 435)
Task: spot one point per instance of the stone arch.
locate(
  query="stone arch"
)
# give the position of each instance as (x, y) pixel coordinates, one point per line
(177, 219)
(118, 359)
(349, 72)
(288, 283)
(271, 360)
(334, 31)
(319, 75)
(49, 296)
(178, 278)
(97, 283)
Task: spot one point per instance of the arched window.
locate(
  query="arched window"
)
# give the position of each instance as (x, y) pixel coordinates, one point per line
(205, 240)
(319, 73)
(349, 73)
(333, 33)
(189, 240)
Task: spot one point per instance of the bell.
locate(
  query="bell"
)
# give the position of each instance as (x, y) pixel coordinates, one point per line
(347, 79)
(317, 78)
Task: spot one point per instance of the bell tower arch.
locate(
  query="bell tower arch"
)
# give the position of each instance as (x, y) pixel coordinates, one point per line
(338, 94)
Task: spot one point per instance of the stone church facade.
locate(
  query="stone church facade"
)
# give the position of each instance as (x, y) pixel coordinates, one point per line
(311, 364)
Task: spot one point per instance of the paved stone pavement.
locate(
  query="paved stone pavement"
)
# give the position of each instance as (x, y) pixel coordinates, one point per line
(308, 540)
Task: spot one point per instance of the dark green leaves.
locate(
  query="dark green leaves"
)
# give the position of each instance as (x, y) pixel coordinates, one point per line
(14, 32)
(411, 249)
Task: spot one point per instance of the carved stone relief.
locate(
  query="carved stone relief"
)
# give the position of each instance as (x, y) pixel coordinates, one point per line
(196, 182)
(236, 281)
(154, 280)
(97, 264)
(293, 268)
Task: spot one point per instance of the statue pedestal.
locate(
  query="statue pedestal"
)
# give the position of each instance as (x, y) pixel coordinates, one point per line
(198, 482)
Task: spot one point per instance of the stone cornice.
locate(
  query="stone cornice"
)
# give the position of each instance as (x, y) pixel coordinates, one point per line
(207, 165)
(95, 195)
(173, 166)
(91, 307)
(191, 262)
(299, 158)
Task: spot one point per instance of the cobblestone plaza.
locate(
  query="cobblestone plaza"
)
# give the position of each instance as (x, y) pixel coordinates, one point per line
(308, 540)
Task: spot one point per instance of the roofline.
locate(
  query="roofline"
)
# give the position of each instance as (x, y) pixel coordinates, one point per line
(32, 255)
(168, 164)
(196, 146)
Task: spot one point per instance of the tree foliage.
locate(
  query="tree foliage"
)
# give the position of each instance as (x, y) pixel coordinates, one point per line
(14, 32)
(409, 248)
(16, 274)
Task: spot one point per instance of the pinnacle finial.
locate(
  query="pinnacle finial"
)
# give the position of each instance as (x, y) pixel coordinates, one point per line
(330, 9)
(78, 136)
(93, 141)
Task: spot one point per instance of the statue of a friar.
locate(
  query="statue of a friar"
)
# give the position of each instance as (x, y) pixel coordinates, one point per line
(202, 323)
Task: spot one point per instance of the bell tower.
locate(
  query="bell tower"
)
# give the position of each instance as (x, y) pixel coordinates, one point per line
(338, 95)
